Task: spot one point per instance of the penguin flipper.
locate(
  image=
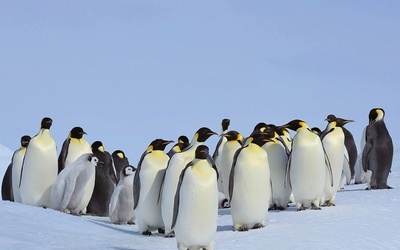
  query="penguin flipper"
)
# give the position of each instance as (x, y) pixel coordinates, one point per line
(213, 165)
(114, 200)
(63, 155)
(232, 174)
(215, 154)
(136, 181)
(328, 165)
(279, 138)
(136, 187)
(366, 154)
(177, 195)
(287, 176)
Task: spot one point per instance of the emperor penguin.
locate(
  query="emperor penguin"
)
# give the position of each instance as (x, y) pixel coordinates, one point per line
(68, 189)
(147, 184)
(278, 154)
(171, 177)
(195, 204)
(350, 148)
(306, 166)
(39, 167)
(232, 144)
(6, 185)
(73, 147)
(377, 155)
(218, 150)
(17, 159)
(183, 142)
(333, 142)
(249, 184)
(120, 162)
(104, 183)
(121, 204)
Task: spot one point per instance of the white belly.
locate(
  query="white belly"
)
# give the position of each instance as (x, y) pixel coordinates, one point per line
(307, 171)
(16, 173)
(252, 189)
(39, 172)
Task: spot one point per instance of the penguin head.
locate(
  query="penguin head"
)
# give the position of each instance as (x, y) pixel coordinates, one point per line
(46, 123)
(296, 124)
(128, 170)
(158, 144)
(261, 126)
(119, 154)
(77, 133)
(93, 159)
(330, 118)
(259, 138)
(282, 131)
(203, 134)
(183, 139)
(202, 152)
(225, 124)
(97, 146)
(316, 130)
(179, 147)
(233, 136)
(340, 122)
(25, 141)
(376, 114)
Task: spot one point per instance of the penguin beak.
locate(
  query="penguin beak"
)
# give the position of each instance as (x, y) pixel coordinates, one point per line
(167, 142)
(347, 121)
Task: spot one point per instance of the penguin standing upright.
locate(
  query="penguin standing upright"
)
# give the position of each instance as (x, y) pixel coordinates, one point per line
(147, 184)
(68, 189)
(171, 177)
(350, 147)
(39, 168)
(17, 159)
(120, 162)
(195, 203)
(306, 166)
(249, 185)
(73, 147)
(233, 143)
(333, 142)
(104, 184)
(377, 155)
(121, 204)
(277, 160)
(6, 185)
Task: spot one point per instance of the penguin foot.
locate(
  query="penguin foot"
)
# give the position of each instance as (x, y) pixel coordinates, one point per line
(161, 230)
(243, 229)
(131, 223)
(301, 208)
(381, 186)
(170, 235)
(147, 233)
(314, 207)
(258, 225)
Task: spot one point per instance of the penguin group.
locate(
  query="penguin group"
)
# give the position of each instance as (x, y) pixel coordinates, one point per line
(178, 192)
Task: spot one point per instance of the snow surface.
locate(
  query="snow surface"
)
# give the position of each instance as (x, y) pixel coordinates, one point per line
(361, 219)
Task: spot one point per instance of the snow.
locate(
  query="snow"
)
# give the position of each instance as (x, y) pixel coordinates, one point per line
(361, 219)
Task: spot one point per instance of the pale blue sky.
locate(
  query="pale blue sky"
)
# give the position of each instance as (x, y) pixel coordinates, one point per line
(132, 71)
